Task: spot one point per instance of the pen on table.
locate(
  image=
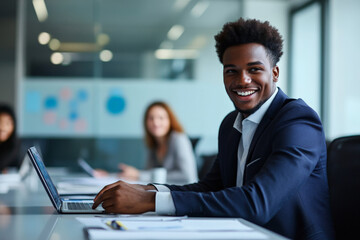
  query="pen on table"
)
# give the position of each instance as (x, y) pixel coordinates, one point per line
(116, 225)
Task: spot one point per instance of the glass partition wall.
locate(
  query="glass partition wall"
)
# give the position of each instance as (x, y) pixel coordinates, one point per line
(151, 39)
(87, 70)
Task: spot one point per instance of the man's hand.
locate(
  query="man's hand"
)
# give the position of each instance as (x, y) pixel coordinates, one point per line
(122, 197)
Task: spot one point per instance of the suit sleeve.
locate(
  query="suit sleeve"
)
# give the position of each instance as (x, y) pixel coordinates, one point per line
(295, 148)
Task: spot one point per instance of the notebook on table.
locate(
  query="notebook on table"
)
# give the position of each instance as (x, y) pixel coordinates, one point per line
(62, 205)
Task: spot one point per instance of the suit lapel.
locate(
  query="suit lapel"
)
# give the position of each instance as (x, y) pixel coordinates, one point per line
(266, 120)
(230, 170)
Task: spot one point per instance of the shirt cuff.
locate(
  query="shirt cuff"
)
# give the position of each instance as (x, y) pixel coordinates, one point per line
(161, 188)
(164, 204)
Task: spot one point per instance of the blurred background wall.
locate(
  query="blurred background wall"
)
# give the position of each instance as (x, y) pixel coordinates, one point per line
(80, 73)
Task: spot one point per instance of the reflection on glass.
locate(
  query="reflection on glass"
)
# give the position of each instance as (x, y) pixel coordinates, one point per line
(147, 39)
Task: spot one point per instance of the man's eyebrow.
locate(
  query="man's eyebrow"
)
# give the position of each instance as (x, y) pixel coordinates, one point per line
(229, 65)
(249, 64)
(255, 63)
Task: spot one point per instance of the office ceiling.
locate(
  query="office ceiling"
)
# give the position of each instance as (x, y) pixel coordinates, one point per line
(132, 25)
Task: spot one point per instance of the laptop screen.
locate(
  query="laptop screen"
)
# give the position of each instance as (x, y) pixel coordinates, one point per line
(44, 176)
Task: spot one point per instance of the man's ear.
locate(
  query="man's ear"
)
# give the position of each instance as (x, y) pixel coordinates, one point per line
(275, 73)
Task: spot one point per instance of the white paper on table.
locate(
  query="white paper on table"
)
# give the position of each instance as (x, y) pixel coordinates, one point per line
(150, 216)
(182, 225)
(9, 181)
(10, 178)
(103, 234)
(167, 223)
(163, 227)
(100, 221)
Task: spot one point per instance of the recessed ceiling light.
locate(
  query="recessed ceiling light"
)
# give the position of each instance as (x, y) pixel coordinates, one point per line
(103, 39)
(54, 44)
(106, 55)
(44, 38)
(57, 58)
(175, 32)
(40, 10)
(199, 9)
(176, 54)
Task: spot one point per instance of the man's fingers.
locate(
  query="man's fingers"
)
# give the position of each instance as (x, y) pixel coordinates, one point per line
(106, 188)
(106, 193)
(97, 202)
(107, 204)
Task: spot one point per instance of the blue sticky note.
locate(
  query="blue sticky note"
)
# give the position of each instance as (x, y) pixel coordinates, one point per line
(115, 104)
(73, 116)
(82, 95)
(33, 102)
(51, 103)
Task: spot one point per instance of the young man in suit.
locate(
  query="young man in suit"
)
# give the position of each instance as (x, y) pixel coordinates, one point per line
(271, 164)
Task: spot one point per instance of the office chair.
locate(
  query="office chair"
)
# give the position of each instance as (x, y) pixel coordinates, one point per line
(344, 185)
(194, 141)
(207, 162)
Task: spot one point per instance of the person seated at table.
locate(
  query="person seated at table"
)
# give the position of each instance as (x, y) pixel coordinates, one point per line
(271, 163)
(168, 147)
(9, 143)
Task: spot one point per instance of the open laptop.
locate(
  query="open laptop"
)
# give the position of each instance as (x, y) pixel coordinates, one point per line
(62, 205)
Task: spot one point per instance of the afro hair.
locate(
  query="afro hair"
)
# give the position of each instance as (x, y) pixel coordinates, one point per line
(250, 31)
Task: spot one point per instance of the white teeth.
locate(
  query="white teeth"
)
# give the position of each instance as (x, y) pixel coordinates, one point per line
(244, 94)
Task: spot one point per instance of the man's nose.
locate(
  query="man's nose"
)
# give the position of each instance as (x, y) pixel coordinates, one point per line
(245, 77)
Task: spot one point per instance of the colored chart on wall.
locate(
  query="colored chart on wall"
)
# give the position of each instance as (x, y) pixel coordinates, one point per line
(57, 108)
(115, 108)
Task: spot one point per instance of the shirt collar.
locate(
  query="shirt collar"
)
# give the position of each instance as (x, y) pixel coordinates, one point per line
(256, 116)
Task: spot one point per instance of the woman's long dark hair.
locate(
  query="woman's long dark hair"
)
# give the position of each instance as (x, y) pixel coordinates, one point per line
(9, 149)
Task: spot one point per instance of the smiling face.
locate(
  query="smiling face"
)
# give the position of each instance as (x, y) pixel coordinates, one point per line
(158, 122)
(6, 126)
(249, 77)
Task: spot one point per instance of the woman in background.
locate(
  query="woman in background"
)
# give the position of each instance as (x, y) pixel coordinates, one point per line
(9, 143)
(168, 146)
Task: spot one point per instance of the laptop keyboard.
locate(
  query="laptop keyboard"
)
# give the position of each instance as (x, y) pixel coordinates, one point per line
(79, 206)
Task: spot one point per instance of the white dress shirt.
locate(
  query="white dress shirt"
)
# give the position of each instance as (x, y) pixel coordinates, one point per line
(164, 203)
(247, 128)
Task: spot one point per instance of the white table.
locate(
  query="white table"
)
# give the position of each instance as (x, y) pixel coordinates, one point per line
(27, 213)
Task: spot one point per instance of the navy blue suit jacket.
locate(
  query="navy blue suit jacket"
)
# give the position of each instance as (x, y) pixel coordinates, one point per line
(285, 184)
